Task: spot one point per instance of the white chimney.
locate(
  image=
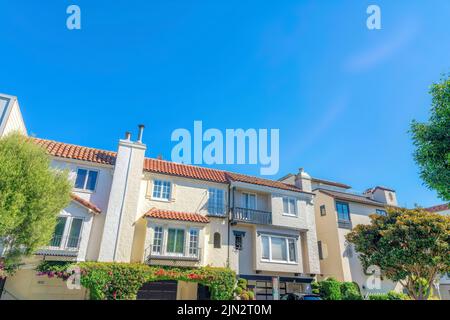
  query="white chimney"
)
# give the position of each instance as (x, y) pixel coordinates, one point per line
(122, 212)
(303, 180)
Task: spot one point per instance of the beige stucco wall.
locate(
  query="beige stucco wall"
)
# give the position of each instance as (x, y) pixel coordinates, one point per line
(327, 232)
(26, 285)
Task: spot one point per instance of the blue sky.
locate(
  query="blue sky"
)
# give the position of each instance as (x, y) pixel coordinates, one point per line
(342, 95)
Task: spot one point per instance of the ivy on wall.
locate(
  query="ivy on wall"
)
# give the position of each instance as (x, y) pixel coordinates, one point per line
(114, 281)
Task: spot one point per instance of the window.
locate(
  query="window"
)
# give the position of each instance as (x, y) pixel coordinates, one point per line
(161, 189)
(175, 241)
(70, 238)
(289, 206)
(323, 211)
(238, 242)
(343, 211)
(74, 235)
(86, 179)
(279, 249)
(265, 247)
(381, 212)
(157, 240)
(193, 242)
(249, 201)
(391, 196)
(217, 242)
(216, 202)
(59, 232)
(319, 244)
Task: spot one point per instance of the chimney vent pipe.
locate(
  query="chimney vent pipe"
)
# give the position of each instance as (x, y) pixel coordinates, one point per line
(140, 133)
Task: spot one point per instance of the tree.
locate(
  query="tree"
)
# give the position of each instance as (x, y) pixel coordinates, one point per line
(31, 196)
(409, 246)
(432, 141)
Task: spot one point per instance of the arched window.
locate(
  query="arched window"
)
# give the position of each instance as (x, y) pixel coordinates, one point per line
(217, 242)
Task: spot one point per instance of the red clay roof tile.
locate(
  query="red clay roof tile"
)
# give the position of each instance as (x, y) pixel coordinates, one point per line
(70, 151)
(175, 215)
(86, 203)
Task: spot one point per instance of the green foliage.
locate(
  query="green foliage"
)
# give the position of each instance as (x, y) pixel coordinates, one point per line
(315, 287)
(114, 281)
(242, 292)
(330, 289)
(432, 141)
(391, 295)
(242, 283)
(31, 196)
(350, 291)
(409, 246)
(251, 295)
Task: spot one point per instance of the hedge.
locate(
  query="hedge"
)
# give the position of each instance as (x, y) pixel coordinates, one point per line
(331, 289)
(121, 281)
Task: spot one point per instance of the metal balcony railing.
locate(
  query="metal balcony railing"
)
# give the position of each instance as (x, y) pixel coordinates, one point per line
(64, 243)
(189, 254)
(220, 211)
(251, 216)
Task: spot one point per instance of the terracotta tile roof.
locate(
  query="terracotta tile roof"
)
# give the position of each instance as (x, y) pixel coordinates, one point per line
(438, 208)
(175, 215)
(184, 170)
(86, 203)
(70, 151)
(352, 197)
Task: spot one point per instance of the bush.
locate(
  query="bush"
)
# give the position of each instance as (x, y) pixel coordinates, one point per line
(350, 291)
(391, 295)
(242, 283)
(251, 295)
(330, 289)
(114, 281)
(238, 290)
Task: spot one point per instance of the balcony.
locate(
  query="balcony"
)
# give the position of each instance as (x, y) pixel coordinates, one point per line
(251, 216)
(189, 257)
(62, 246)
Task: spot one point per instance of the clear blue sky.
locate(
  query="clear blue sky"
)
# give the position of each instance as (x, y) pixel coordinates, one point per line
(342, 96)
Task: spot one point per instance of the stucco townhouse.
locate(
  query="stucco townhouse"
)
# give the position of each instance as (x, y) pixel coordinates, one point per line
(443, 286)
(129, 208)
(337, 211)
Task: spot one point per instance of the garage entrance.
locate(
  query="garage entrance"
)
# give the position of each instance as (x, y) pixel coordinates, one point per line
(158, 290)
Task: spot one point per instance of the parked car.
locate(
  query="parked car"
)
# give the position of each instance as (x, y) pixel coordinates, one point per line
(300, 296)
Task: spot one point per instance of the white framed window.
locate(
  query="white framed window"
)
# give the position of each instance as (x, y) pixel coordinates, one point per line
(86, 179)
(216, 204)
(278, 249)
(193, 242)
(290, 206)
(161, 189)
(67, 233)
(157, 240)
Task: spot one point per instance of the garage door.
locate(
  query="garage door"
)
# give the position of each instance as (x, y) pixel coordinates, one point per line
(158, 290)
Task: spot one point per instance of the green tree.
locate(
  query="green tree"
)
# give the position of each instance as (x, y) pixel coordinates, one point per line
(432, 141)
(31, 196)
(409, 246)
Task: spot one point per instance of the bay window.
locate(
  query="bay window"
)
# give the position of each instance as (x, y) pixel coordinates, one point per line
(177, 242)
(278, 249)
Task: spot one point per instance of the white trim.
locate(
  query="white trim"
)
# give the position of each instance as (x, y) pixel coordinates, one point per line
(161, 191)
(288, 214)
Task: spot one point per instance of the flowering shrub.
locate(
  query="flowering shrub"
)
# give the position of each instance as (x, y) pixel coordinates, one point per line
(114, 281)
